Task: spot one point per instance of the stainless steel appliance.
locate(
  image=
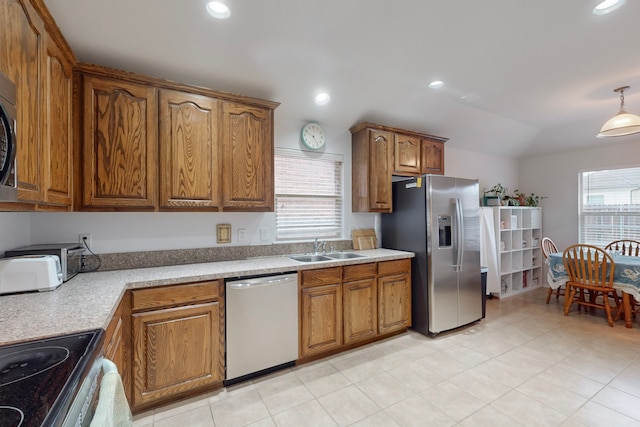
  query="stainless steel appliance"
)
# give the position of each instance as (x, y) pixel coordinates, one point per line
(8, 144)
(70, 255)
(262, 325)
(438, 218)
(51, 382)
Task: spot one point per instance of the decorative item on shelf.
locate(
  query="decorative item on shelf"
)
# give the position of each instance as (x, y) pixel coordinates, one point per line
(533, 200)
(494, 195)
(503, 225)
(503, 286)
(502, 246)
(535, 242)
(622, 123)
(520, 197)
(524, 279)
(514, 222)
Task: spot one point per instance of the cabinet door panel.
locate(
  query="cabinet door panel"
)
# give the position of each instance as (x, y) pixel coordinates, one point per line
(360, 310)
(247, 158)
(174, 351)
(189, 151)
(57, 126)
(432, 157)
(380, 164)
(394, 303)
(21, 58)
(406, 155)
(120, 154)
(321, 322)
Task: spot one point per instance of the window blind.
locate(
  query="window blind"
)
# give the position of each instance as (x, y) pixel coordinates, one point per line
(609, 205)
(308, 197)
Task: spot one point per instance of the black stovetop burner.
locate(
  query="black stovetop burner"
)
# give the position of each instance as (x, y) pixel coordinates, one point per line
(39, 379)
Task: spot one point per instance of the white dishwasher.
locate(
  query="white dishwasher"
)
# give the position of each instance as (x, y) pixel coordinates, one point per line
(262, 325)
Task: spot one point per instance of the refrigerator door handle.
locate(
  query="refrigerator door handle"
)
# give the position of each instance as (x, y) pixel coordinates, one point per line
(459, 235)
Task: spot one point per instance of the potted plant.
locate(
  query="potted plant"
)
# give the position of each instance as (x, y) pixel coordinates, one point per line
(494, 195)
(520, 197)
(534, 200)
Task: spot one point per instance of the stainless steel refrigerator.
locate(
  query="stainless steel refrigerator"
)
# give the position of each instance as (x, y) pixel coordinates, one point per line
(438, 218)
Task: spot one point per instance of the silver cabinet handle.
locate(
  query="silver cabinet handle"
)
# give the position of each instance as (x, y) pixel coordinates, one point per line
(261, 283)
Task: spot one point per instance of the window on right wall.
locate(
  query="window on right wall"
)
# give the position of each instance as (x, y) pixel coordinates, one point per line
(609, 205)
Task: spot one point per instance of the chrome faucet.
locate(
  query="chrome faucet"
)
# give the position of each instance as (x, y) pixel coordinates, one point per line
(319, 245)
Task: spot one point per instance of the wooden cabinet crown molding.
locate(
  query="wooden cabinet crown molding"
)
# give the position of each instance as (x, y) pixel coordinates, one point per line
(102, 71)
(385, 128)
(54, 31)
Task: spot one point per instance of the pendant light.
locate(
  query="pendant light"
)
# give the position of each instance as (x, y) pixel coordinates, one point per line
(622, 123)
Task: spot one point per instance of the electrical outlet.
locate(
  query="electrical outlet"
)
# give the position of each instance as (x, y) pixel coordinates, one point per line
(85, 240)
(242, 234)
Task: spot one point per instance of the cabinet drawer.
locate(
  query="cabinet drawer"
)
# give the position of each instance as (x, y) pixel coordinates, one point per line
(392, 267)
(144, 299)
(354, 272)
(324, 276)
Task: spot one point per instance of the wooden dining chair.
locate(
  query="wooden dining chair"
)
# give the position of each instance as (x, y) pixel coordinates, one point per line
(590, 270)
(548, 247)
(630, 248)
(624, 247)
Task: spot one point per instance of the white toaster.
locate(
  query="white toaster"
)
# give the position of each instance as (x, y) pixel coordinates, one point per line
(30, 273)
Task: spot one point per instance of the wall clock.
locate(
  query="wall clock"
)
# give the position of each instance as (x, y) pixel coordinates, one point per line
(312, 136)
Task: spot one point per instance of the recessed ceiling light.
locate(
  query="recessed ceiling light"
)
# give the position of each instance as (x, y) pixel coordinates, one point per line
(218, 10)
(607, 6)
(436, 84)
(322, 98)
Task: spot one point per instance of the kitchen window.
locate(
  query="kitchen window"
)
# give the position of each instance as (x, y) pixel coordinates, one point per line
(308, 196)
(609, 205)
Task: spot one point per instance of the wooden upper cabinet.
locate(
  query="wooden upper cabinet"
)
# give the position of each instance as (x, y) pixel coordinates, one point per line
(189, 151)
(379, 152)
(432, 157)
(247, 158)
(406, 155)
(57, 142)
(21, 58)
(372, 157)
(120, 144)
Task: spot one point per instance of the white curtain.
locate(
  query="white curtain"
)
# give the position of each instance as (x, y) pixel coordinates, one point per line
(488, 249)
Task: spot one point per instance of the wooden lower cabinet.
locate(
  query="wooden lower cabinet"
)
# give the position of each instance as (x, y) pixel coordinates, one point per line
(342, 306)
(394, 295)
(359, 296)
(178, 344)
(320, 311)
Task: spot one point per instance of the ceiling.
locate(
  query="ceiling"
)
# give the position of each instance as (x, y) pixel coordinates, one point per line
(522, 78)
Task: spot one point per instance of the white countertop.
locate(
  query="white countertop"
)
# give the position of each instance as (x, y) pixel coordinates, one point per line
(88, 300)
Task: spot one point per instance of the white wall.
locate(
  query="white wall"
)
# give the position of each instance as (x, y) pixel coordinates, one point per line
(556, 176)
(14, 230)
(126, 232)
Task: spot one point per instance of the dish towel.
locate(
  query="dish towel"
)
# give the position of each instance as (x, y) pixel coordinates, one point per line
(113, 409)
(489, 250)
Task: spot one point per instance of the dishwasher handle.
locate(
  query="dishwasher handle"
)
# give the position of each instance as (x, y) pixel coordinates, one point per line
(261, 282)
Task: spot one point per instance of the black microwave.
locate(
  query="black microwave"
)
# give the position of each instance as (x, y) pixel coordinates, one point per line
(70, 254)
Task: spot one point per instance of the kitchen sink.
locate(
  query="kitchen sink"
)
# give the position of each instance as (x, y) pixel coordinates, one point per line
(310, 258)
(344, 255)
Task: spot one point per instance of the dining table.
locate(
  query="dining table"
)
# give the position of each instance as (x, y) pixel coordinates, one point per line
(626, 278)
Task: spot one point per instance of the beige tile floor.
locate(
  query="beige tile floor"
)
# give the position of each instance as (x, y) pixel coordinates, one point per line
(526, 364)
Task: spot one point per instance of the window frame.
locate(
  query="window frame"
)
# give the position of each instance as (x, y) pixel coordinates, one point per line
(340, 196)
(620, 214)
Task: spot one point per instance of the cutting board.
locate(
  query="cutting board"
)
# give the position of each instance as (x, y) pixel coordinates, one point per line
(364, 239)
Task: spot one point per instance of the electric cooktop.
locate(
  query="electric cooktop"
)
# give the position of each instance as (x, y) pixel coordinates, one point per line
(39, 379)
